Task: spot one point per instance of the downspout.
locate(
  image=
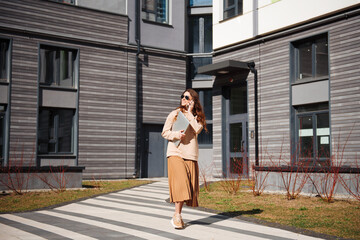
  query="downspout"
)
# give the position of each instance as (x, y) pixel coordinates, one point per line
(138, 124)
(254, 71)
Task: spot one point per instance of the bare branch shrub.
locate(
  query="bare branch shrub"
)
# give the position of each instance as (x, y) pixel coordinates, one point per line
(326, 180)
(204, 174)
(17, 173)
(235, 174)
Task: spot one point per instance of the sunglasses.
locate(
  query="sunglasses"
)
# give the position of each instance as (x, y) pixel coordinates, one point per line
(186, 97)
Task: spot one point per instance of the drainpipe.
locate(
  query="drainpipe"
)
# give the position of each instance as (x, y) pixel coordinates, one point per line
(138, 93)
(252, 68)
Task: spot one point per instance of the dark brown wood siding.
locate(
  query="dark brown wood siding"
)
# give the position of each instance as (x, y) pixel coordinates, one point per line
(344, 49)
(163, 79)
(107, 82)
(23, 102)
(272, 59)
(64, 21)
(103, 112)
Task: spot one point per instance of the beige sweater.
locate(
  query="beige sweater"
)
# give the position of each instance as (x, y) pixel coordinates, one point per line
(188, 147)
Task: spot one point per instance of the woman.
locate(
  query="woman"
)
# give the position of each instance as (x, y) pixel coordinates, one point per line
(183, 170)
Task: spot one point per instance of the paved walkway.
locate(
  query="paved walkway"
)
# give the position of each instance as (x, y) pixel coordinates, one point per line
(138, 213)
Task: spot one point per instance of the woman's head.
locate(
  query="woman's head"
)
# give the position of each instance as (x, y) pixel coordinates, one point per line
(191, 95)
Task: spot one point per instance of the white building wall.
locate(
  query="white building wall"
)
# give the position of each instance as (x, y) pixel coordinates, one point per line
(272, 15)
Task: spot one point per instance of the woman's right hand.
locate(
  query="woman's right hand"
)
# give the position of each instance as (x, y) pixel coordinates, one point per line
(182, 135)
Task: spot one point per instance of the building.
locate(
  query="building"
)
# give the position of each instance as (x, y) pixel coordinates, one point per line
(305, 54)
(90, 83)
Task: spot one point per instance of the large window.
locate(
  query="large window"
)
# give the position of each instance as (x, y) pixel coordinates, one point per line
(57, 113)
(4, 60)
(232, 8)
(311, 58)
(200, 43)
(200, 34)
(57, 66)
(156, 10)
(56, 131)
(205, 96)
(313, 133)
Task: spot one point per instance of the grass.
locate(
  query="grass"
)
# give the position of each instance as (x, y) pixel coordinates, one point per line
(37, 200)
(340, 218)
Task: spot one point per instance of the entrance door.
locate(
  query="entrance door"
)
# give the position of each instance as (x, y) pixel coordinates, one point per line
(237, 131)
(154, 162)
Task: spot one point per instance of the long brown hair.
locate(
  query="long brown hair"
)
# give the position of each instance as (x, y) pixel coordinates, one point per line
(198, 109)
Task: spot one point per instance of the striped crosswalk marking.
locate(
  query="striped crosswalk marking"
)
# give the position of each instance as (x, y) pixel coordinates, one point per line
(137, 213)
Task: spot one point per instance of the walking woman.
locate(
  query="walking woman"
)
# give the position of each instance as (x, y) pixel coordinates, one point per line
(183, 169)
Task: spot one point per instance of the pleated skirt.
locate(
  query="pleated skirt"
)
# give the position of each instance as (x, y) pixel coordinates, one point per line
(183, 178)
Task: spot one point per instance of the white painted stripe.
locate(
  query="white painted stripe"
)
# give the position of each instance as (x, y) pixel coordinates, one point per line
(125, 202)
(109, 226)
(10, 233)
(144, 195)
(47, 227)
(152, 209)
(196, 231)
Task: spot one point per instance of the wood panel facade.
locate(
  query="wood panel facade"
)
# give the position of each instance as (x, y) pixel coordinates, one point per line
(106, 102)
(272, 57)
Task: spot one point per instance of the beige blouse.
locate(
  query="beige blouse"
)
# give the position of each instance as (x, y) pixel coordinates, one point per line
(188, 147)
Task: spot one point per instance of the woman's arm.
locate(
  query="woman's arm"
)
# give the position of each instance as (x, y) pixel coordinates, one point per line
(166, 132)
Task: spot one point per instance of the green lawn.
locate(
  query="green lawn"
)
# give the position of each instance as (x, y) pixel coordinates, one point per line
(36, 200)
(340, 218)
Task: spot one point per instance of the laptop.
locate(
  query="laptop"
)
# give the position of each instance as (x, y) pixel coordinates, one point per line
(181, 123)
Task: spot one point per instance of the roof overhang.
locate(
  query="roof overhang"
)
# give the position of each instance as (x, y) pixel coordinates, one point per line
(227, 72)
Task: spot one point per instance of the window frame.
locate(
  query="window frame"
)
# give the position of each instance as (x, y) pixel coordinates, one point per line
(295, 61)
(147, 11)
(235, 6)
(59, 90)
(7, 57)
(56, 126)
(323, 161)
(57, 66)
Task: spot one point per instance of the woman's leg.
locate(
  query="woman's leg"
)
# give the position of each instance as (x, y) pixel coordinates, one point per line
(178, 207)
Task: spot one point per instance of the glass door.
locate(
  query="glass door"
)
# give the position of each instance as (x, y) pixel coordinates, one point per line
(237, 131)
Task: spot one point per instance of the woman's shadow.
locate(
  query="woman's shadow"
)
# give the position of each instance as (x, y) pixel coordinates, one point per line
(222, 216)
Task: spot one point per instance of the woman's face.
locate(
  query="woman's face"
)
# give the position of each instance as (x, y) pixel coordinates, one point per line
(185, 98)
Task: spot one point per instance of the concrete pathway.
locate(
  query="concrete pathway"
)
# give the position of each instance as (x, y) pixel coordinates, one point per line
(137, 213)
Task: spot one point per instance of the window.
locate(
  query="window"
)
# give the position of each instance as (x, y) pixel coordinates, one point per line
(156, 10)
(205, 96)
(200, 34)
(200, 41)
(58, 66)
(2, 134)
(72, 2)
(56, 131)
(200, 3)
(313, 133)
(238, 103)
(4, 59)
(311, 58)
(232, 8)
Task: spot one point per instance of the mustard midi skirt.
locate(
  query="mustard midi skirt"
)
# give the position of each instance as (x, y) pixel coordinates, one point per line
(183, 178)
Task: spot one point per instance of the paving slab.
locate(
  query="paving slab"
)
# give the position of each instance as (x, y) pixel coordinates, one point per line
(137, 213)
